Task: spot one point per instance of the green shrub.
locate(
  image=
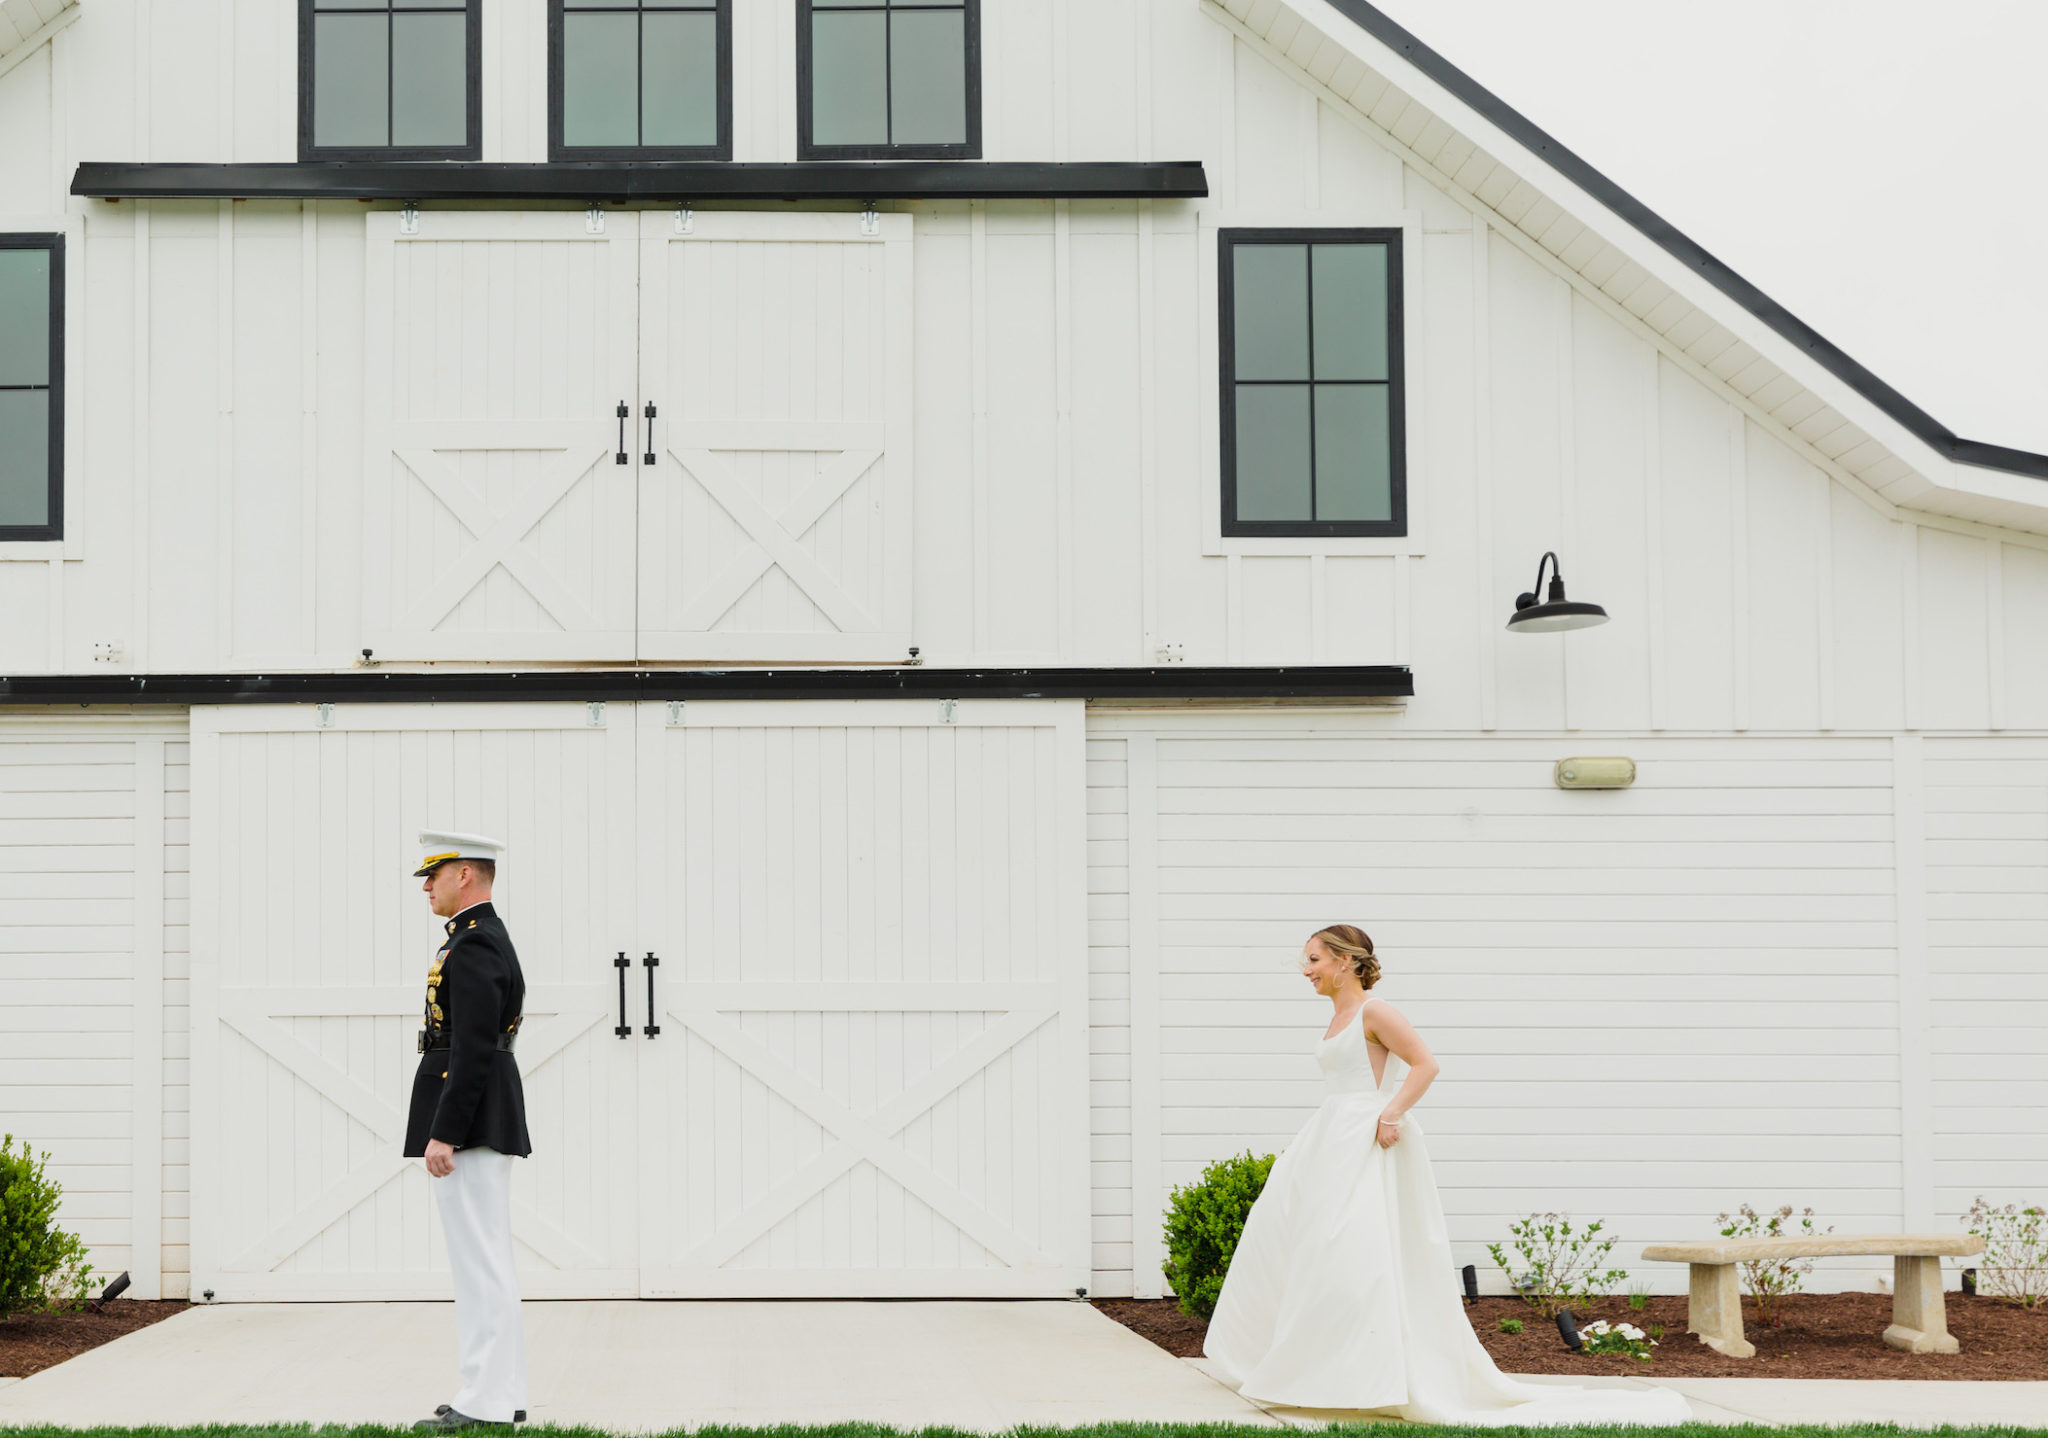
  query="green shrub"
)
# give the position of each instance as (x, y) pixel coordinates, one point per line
(1560, 1264)
(1203, 1223)
(41, 1266)
(1768, 1280)
(1511, 1325)
(2015, 1262)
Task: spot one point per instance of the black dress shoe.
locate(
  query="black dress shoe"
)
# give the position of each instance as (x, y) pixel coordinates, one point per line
(450, 1420)
(442, 1411)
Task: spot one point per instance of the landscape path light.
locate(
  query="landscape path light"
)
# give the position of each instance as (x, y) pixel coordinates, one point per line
(1555, 612)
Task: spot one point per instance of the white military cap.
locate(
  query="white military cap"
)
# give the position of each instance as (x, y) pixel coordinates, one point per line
(441, 846)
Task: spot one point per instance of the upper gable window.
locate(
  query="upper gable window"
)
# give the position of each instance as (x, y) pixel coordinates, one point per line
(390, 79)
(888, 79)
(1312, 394)
(640, 79)
(31, 386)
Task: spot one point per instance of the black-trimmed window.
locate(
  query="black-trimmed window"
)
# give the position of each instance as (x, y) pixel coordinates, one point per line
(31, 386)
(640, 79)
(888, 79)
(1313, 439)
(390, 79)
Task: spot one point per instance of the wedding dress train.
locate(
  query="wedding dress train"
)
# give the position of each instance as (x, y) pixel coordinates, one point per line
(1341, 1294)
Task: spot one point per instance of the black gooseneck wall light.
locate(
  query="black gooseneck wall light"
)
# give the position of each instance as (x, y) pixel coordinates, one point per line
(1555, 612)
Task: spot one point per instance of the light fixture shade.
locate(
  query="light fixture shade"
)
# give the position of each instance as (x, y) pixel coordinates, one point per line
(1550, 618)
(1555, 612)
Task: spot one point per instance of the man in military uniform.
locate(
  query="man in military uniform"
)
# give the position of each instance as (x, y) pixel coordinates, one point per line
(468, 1121)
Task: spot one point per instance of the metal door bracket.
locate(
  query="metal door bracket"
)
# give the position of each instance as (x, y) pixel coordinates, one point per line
(686, 220)
(593, 220)
(675, 713)
(870, 222)
(596, 711)
(947, 707)
(326, 716)
(409, 219)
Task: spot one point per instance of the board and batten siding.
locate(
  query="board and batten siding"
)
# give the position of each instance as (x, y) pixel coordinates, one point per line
(1651, 1005)
(1064, 504)
(92, 963)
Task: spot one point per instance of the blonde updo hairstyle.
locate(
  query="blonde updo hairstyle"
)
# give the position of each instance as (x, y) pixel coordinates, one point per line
(1348, 941)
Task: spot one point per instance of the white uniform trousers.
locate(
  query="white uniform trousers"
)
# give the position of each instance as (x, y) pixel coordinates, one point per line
(490, 1335)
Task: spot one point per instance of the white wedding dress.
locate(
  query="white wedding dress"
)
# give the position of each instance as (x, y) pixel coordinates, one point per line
(1342, 1295)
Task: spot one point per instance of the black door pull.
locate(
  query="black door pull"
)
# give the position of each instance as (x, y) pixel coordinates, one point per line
(652, 1027)
(622, 963)
(624, 413)
(649, 456)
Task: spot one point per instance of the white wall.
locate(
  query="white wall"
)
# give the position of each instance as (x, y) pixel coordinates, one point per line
(92, 966)
(1066, 402)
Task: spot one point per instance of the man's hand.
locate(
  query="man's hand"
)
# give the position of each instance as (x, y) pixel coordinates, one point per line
(440, 1158)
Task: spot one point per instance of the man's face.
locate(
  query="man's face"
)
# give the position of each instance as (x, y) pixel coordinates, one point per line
(447, 888)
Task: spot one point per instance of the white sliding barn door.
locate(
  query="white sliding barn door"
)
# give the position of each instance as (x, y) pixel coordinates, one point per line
(872, 997)
(498, 516)
(775, 523)
(311, 947)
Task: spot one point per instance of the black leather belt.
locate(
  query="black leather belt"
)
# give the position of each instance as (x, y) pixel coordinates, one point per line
(439, 1043)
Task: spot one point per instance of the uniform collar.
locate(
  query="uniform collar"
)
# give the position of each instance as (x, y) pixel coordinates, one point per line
(480, 910)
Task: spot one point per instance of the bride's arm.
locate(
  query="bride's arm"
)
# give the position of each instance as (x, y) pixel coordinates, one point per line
(1386, 1026)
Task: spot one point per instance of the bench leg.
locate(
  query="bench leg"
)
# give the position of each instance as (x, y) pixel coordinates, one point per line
(1715, 1312)
(1919, 1313)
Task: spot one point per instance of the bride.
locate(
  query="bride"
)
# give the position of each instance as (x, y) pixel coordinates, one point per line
(1341, 1294)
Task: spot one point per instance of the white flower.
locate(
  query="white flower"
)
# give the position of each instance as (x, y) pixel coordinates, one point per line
(1629, 1330)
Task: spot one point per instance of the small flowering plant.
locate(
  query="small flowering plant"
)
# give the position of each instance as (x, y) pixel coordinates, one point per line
(1600, 1336)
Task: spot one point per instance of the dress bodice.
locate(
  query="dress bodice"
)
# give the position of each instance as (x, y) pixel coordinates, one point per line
(1346, 1061)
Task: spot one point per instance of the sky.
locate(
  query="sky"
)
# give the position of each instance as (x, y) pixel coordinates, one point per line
(1878, 167)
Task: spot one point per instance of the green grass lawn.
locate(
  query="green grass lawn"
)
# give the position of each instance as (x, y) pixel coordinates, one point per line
(1097, 1430)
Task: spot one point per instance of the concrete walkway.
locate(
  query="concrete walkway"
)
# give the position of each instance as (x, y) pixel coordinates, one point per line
(639, 1367)
(645, 1367)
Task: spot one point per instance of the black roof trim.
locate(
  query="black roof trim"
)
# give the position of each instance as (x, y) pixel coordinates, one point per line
(1689, 252)
(1333, 681)
(621, 181)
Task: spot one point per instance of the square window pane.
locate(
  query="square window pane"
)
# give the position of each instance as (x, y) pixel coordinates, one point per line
(24, 456)
(679, 79)
(1354, 452)
(1269, 309)
(928, 77)
(598, 55)
(348, 79)
(430, 80)
(1350, 298)
(849, 79)
(24, 316)
(1272, 451)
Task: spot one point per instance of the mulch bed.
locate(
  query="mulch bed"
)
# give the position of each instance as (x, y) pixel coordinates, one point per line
(1823, 1335)
(31, 1342)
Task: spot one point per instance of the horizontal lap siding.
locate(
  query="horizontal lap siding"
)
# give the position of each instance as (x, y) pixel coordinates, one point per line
(1109, 1019)
(69, 853)
(1650, 1005)
(1987, 950)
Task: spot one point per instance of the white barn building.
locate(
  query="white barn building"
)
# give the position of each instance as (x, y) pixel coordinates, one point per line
(859, 499)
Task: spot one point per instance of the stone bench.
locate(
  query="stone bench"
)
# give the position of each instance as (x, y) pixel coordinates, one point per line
(1919, 1316)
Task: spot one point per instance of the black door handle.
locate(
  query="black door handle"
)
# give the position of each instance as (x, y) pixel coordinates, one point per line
(649, 456)
(652, 1027)
(624, 412)
(622, 963)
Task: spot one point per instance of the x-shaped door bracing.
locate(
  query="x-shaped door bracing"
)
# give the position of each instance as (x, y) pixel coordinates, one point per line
(500, 533)
(775, 540)
(254, 1014)
(858, 1137)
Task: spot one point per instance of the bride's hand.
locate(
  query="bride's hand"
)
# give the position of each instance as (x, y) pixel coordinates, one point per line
(1389, 1132)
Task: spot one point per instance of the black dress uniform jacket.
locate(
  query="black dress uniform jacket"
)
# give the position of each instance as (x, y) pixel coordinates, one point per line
(469, 1093)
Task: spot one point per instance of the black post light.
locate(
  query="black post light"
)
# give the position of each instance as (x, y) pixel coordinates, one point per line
(1555, 612)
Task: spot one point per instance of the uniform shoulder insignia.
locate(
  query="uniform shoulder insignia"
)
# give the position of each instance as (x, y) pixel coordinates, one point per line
(472, 923)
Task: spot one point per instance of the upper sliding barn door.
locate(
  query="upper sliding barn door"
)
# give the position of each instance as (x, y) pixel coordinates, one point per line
(872, 1066)
(311, 945)
(775, 520)
(499, 348)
